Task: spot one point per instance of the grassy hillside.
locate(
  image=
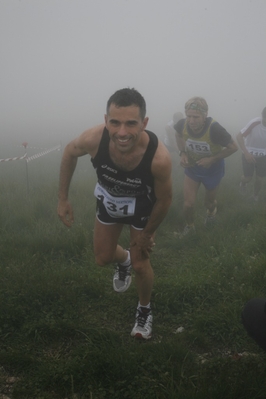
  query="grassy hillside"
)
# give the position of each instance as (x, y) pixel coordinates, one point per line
(64, 332)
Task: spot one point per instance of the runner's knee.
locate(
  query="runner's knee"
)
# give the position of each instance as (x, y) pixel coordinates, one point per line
(140, 267)
(103, 259)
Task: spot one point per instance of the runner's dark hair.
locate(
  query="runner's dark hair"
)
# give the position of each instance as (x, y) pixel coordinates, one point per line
(125, 98)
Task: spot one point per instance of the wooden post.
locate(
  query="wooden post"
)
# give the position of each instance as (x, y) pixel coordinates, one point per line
(26, 159)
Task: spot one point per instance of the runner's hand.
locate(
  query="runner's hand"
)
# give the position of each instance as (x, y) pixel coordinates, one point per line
(65, 213)
(249, 158)
(184, 160)
(205, 162)
(144, 244)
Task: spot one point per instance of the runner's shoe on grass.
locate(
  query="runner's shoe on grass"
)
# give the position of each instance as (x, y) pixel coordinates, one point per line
(188, 230)
(210, 219)
(143, 325)
(122, 278)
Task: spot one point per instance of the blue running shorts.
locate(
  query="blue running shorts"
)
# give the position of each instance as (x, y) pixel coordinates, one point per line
(209, 177)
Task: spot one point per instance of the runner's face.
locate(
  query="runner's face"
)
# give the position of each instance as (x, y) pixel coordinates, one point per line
(195, 120)
(125, 126)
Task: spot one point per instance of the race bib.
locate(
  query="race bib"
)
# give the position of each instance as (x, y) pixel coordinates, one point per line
(116, 207)
(256, 152)
(199, 147)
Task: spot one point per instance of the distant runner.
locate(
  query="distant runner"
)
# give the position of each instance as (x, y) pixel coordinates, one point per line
(252, 141)
(169, 137)
(203, 144)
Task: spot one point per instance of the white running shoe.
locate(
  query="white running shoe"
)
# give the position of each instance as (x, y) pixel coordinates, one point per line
(143, 325)
(122, 278)
(188, 230)
(210, 219)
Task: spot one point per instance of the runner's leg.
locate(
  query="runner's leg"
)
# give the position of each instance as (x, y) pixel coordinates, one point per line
(106, 248)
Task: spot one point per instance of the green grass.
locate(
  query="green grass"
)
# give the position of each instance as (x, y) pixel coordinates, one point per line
(64, 332)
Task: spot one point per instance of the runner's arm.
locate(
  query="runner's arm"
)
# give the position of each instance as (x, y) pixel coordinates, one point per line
(86, 143)
(163, 190)
(226, 152)
(161, 169)
(249, 157)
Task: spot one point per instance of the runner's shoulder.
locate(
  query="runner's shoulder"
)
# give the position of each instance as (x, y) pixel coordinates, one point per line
(90, 139)
(162, 159)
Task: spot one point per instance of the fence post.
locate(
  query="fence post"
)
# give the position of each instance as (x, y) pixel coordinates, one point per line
(26, 159)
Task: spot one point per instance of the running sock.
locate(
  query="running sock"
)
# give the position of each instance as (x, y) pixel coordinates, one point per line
(127, 261)
(144, 308)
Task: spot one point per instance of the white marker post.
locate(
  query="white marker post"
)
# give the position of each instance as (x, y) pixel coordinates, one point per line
(27, 173)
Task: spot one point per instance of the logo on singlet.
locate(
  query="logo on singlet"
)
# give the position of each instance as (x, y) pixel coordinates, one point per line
(108, 168)
(137, 180)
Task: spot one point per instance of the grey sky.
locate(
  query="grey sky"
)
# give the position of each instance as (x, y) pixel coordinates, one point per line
(62, 59)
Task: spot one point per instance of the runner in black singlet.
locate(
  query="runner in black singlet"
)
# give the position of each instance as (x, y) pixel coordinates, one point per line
(134, 187)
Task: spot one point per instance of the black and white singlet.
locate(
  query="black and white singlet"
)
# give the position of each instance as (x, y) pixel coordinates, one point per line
(124, 196)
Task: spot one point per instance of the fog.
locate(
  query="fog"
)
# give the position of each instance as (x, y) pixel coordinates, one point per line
(62, 59)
